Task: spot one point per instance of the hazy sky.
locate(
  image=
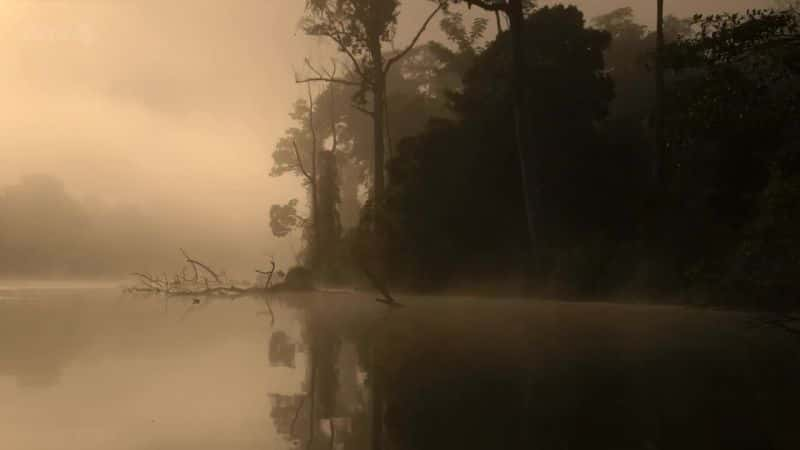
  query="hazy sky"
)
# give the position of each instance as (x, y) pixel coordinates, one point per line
(173, 106)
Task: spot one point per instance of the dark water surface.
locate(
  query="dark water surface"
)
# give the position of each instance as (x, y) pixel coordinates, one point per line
(85, 369)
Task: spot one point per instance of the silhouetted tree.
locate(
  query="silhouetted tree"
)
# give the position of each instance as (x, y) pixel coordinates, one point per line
(482, 228)
(330, 228)
(288, 157)
(359, 28)
(733, 120)
(515, 10)
(661, 143)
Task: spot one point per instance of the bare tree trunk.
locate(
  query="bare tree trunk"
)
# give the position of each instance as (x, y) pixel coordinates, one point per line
(521, 125)
(315, 244)
(379, 156)
(661, 146)
(388, 131)
(378, 136)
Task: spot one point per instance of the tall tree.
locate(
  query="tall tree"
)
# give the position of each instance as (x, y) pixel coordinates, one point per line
(359, 28)
(483, 229)
(733, 129)
(515, 10)
(661, 143)
(289, 157)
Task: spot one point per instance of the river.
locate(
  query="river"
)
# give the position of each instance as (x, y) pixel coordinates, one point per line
(85, 367)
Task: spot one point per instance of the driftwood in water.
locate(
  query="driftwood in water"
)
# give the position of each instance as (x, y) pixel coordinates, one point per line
(197, 285)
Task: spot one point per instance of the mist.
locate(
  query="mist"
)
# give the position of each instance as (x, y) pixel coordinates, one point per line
(170, 110)
(135, 107)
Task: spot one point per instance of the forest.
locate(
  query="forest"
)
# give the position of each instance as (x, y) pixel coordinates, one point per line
(542, 152)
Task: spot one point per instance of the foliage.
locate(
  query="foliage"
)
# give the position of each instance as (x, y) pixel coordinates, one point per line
(454, 211)
(732, 115)
(417, 87)
(452, 24)
(482, 227)
(284, 218)
(354, 26)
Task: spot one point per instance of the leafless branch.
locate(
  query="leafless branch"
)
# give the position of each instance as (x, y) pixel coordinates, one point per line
(269, 274)
(327, 80)
(410, 46)
(197, 263)
(300, 161)
(483, 4)
(333, 118)
(181, 285)
(149, 280)
(379, 285)
(337, 36)
(363, 110)
(314, 69)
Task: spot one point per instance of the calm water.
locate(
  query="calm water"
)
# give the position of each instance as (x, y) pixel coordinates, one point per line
(84, 369)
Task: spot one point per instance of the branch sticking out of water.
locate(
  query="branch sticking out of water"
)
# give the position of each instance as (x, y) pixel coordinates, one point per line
(197, 285)
(195, 264)
(380, 286)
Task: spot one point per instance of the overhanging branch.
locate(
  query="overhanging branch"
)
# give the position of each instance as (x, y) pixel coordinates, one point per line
(410, 46)
(488, 6)
(327, 80)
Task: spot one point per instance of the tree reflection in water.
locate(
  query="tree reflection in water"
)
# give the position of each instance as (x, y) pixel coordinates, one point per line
(484, 377)
(330, 413)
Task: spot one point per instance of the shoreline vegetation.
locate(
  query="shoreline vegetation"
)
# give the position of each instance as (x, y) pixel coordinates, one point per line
(661, 164)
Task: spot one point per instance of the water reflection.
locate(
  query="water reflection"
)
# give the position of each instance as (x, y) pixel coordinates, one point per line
(48, 345)
(331, 411)
(96, 370)
(474, 375)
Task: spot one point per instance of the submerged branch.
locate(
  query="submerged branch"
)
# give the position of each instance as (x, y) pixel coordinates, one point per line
(220, 286)
(181, 285)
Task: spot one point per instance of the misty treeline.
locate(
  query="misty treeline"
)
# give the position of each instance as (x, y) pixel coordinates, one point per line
(712, 216)
(45, 230)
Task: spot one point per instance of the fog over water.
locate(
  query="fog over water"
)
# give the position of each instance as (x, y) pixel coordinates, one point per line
(89, 369)
(169, 111)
